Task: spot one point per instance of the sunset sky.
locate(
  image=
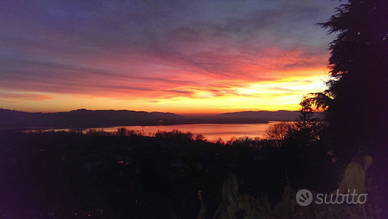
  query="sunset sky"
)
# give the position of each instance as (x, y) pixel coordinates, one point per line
(164, 55)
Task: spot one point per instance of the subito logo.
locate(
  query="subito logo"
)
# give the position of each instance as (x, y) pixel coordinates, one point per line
(304, 197)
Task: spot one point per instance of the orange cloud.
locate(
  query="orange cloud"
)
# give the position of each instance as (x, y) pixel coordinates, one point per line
(17, 96)
(273, 80)
(181, 56)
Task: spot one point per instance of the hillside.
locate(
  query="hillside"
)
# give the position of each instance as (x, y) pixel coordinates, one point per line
(83, 118)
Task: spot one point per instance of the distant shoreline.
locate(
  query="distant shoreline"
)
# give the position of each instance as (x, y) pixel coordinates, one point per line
(123, 125)
(87, 119)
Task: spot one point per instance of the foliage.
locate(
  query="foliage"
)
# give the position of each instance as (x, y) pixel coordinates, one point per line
(179, 136)
(135, 177)
(279, 131)
(305, 131)
(361, 34)
(233, 203)
(244, 141)
(317, 101)
(259, 208)
(354, 177)
(125, 132)
(356, 101)
(202, 212)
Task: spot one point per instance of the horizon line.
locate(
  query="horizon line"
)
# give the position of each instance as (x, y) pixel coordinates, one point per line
(183, 114)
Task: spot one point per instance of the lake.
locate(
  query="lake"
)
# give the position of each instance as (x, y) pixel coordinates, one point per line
(211, 131)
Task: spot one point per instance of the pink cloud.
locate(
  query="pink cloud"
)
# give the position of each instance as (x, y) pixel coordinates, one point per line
(14, 97)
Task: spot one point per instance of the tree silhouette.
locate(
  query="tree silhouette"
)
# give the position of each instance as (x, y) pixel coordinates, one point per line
(278, 132)
(357, 97)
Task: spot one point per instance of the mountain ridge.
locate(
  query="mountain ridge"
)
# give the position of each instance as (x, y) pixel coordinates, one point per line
(83, 118)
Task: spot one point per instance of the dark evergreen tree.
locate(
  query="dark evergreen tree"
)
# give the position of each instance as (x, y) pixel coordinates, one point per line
(357, 95)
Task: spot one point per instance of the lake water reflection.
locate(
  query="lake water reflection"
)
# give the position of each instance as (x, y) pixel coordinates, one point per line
(210, 131)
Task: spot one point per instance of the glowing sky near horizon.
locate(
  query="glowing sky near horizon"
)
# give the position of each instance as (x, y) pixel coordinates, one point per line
(169, 56)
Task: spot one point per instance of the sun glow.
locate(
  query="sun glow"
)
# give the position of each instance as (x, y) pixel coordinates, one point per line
(283, 94)
(189, 60)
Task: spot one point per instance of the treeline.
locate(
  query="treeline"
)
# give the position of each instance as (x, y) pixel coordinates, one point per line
(129, 174)
(119, 174)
